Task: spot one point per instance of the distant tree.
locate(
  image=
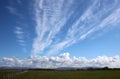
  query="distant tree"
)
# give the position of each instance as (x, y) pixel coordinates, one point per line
(106, 68)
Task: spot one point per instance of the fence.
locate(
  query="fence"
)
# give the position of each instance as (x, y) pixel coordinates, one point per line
(11, 75)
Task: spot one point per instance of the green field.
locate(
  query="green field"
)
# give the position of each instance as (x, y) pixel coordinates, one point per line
(49, 74)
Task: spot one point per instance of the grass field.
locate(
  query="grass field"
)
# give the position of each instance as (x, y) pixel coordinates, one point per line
(48, 74)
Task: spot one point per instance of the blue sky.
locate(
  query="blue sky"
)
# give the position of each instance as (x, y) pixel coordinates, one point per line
(84, 28)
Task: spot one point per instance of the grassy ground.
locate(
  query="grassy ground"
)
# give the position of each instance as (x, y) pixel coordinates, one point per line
(95, 74)
(8, 74)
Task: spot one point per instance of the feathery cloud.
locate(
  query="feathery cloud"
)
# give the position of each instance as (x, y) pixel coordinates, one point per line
(20, 35)
(52, 18)
(14, 11)
(49, 21)
(87, 24)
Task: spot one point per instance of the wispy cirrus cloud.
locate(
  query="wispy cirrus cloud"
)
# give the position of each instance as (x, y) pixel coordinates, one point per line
(81, 29)
(20, 35)
(14, 8)
(14, 11)
(19, 1)
(53, 17)
(20, 24)
(49, 21)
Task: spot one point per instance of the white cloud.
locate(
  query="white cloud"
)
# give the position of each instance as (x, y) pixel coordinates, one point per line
(62, 60)
(89, 23)
(57, 47)
(18, 31)
(20, 36)
(52, 18)
(49, 20)
(13, 10)
(112, 19)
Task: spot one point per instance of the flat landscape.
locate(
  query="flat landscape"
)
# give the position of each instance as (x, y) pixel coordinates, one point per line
(54, 74)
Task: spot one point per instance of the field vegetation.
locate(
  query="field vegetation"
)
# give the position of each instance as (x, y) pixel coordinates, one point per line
(57, 74)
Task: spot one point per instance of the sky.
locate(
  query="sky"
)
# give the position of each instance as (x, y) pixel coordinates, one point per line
(59, 33)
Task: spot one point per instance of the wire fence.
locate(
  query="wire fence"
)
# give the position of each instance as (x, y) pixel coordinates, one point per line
(11, 75)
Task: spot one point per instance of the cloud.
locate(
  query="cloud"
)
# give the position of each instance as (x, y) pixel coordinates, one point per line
(19, 1)
(19, 32)
(65, 18)
(14, 11)
(20, 35)
(89, 23)
(20, 25)
(112, 19)
(49, 20)
(14, 8)
(63, 60)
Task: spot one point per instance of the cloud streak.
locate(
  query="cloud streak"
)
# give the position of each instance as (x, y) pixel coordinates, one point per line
(20, 24)
(53, 16)
(14, 11)
(20, 36)
(49, 21)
